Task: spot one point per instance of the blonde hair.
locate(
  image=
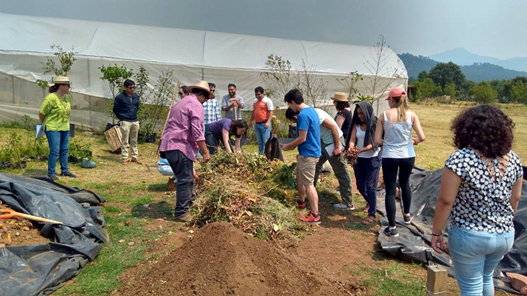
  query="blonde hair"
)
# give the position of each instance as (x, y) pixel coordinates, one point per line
(401, 104)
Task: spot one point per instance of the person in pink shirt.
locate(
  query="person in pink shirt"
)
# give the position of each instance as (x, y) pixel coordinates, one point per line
(181, 138)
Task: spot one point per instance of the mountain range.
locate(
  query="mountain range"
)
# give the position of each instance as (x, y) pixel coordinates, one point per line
(475, 67)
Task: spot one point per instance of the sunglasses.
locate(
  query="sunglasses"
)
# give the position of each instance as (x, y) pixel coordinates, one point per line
(131, 87)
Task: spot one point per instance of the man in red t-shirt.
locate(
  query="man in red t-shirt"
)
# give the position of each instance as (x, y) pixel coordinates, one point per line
(262, 114)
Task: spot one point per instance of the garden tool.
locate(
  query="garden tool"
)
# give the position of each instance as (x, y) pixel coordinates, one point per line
(8, 214)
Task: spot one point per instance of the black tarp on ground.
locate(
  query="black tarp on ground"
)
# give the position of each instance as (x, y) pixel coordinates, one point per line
(42, 269)
(413, 241)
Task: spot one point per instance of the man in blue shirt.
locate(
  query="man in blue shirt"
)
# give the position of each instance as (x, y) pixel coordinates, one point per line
(309, 150)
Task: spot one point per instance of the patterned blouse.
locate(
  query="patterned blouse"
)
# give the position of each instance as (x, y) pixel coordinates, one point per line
(483, 199)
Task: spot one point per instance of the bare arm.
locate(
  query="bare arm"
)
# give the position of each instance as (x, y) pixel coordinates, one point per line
(450, 183)
(340, 120)
(225, 139)
(302, 136)
(353, 137)
(334, 133)
(516, 195)
(379, 130)
(203, 147)
(238, 145)
(418, 129)
(41, 117)
(268, 123)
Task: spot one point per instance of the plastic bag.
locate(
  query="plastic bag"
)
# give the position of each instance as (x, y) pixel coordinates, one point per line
(88, 163)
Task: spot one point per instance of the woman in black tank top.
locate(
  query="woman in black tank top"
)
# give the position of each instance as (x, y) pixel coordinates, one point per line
(343, 118)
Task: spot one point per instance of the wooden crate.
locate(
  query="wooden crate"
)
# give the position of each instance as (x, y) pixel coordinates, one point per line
(113, 137)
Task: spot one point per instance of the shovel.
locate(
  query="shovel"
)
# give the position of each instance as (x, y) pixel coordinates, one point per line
(8, 214)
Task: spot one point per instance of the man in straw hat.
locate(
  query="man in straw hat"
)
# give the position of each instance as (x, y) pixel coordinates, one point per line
(181, 138)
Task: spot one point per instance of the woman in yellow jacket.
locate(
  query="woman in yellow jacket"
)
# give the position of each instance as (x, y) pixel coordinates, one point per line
(55, 117)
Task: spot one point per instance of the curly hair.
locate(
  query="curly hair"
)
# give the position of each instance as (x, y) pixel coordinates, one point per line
(484, 128)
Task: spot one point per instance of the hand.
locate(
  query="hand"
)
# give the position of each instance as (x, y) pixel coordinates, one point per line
(414, 141)
(206, 157)
(251, 123)
(267, 125)
(239, 151)
(196, 176)
(337, 151)
(287, 147)
(438, 244)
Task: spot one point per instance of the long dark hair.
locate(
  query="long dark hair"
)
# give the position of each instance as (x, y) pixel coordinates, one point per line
(235, 124)
(53, 88)
(371, 122)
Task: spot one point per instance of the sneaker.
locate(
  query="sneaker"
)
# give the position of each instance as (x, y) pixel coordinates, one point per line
(136, 161)
(391, 232)
(68, 174)
(311, 219)
(183, 218)
(300, 204)
(408, 218)
(53, 178)
(341, 206)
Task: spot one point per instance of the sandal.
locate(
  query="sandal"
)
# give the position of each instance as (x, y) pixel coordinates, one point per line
(369, 220)
(366, 208)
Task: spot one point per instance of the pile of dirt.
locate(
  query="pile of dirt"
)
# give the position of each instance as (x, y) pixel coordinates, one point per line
(222, 260)
(19, 232)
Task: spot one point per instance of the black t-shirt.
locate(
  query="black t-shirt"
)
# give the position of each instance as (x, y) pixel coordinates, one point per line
(346, 126)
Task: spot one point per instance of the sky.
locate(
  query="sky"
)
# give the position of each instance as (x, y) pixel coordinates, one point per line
(495, 28)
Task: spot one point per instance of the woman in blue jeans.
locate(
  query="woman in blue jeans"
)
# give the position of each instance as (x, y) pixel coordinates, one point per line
(480, 190)
(368, 163)
(54, 114)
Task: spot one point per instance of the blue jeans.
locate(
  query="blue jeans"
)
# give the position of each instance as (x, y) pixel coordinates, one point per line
(475, 254)
(59, 142)
(366, 178)
(262, 135)
(183, 169)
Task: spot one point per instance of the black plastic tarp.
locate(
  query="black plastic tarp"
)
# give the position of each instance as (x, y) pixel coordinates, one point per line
(42, 269)
(413, 242)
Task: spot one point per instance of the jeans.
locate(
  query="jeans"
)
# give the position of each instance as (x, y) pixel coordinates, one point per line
(367, 177)
(183, 169)
(59, 142)
(475, 254)
(262, 135)
(390, 167)
(129, 133)
(341, 170)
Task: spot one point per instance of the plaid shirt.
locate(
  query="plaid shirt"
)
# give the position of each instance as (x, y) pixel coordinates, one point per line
(212, 111)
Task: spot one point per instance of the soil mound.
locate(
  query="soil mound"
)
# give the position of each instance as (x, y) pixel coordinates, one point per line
(222, 260)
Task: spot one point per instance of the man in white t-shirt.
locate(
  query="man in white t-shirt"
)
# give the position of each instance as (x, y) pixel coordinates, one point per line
(332, 144)
(262, 114)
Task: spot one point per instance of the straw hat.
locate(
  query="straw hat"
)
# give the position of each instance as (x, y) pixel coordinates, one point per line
(204, 85)
(340, 97)
(62, 80)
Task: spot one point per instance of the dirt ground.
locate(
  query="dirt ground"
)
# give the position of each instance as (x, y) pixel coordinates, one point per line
(19, 232)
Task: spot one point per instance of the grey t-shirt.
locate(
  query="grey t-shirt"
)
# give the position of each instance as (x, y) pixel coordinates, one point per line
(230, 113)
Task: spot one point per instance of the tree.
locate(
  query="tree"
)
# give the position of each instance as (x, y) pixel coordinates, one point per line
(382, 76)
(444, 73)
(115, 76)
(484, 93)
(66, 60)
(313, 89)
(349, 83)
(450, 89)
(519, 92)
(422, 76)
(279, 77)
(427, 89)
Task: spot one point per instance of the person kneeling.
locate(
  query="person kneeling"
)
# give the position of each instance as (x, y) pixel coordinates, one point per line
(222, 130)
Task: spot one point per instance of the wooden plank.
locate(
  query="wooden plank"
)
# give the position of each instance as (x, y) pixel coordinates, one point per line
(436, 281)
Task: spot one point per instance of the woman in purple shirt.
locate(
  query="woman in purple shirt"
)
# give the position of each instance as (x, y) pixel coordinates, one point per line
(222, 130)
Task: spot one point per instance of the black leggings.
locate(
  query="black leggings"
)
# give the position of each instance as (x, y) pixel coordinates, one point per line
(390, 166)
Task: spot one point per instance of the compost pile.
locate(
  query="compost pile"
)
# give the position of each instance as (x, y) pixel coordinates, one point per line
(253, 194)
(222, 260)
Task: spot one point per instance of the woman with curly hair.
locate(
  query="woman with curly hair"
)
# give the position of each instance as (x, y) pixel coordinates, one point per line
(222, 130)
(480, 190)
(398, 154)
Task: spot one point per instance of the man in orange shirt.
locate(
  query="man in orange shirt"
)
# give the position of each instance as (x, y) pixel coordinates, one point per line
(262, 114)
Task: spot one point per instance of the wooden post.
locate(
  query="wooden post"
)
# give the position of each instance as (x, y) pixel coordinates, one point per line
(436, 280)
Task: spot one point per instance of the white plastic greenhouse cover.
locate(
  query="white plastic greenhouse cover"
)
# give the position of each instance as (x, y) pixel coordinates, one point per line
(193, 55)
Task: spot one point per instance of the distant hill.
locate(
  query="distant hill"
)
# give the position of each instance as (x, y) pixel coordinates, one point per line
(463, 57)
(475, 72)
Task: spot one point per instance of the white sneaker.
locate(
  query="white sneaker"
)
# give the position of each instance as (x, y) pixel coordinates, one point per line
(341, 206)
